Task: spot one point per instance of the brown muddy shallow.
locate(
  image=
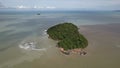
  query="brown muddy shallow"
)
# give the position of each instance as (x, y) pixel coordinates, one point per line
(103, 51)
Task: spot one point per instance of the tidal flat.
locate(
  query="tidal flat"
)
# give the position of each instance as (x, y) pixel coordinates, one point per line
(103, 51)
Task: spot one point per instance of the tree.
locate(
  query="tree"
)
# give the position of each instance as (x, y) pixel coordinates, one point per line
(68, 36)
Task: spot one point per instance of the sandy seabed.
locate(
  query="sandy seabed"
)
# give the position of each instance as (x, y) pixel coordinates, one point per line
(103, 51)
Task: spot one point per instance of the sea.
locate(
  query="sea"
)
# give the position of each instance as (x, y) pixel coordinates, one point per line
(17, 27)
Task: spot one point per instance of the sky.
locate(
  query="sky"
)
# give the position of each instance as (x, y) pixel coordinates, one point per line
(62, 4)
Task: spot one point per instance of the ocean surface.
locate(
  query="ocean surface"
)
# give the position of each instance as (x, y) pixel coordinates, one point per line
(24, 26)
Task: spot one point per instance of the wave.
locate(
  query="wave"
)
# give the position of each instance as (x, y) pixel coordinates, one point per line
(44, 32)
(30, 46)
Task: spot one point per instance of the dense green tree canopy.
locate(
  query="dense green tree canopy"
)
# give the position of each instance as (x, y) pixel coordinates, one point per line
(68, 36)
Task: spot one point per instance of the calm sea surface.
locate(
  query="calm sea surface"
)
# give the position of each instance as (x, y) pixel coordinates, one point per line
(16, 27)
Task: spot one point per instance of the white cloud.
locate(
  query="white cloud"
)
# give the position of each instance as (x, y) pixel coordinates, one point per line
(50, 7)
(37, 7)
(65, 4)
(32, 7)
(1, 5)
(40, 7)
(21, 6)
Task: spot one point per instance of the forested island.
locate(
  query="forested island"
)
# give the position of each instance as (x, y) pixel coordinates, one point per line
(70, 40)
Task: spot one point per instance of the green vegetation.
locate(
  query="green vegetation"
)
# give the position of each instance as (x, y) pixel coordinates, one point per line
(68, 36)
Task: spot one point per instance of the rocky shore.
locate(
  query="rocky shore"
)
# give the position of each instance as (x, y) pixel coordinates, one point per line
(73, 51)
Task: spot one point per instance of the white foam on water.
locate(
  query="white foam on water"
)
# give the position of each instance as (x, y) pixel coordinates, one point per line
(24, 47)
(31, 46)
(42, 49)
(44, 33)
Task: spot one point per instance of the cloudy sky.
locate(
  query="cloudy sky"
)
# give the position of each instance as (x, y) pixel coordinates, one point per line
(62, 4)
